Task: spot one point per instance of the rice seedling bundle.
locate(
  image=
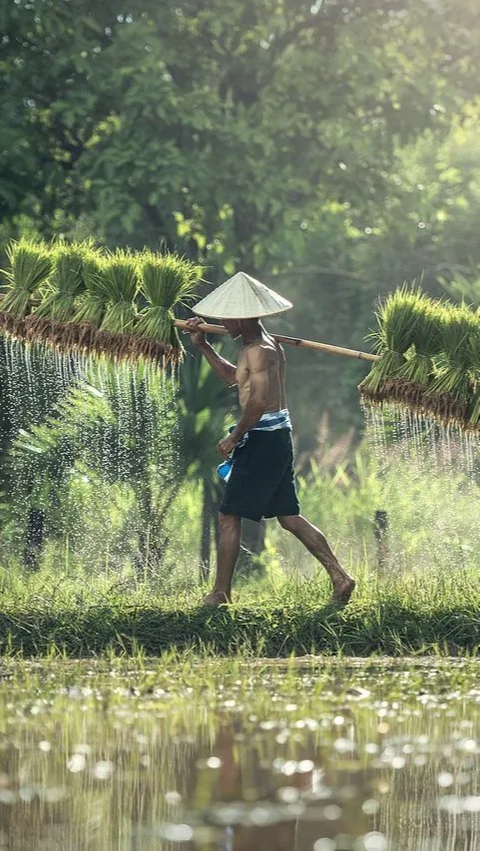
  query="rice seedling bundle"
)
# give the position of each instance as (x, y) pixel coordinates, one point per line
(450, 386)
(64, 284)
(75, 297)
(394, 340)
(430, 358)
(119, 283)
(30, 264)
(90, 307)
(167, 281)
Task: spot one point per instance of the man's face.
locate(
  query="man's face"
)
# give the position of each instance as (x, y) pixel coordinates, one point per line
(233, 327)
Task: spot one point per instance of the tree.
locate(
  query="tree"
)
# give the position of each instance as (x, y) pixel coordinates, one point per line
(219, 126)
(120, 428)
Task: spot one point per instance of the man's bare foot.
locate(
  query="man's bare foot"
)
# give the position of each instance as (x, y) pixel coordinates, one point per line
(342, 592)
(216, 598)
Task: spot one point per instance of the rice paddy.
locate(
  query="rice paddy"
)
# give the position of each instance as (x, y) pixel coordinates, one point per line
(192, 753)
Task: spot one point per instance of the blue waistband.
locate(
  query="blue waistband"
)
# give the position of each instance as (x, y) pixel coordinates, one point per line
(273, 420)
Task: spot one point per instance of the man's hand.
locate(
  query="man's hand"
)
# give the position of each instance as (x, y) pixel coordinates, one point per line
(197, 337)
(226, 446)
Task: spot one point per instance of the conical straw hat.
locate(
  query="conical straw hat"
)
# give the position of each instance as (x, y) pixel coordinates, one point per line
(242, 297)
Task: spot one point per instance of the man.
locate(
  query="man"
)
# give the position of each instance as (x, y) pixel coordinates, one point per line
(258, 452)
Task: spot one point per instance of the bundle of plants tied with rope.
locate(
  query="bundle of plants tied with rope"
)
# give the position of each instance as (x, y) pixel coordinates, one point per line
(167, 282)
(90, 306)
(429, 358)
(116, 305)
(57, 295)
(30, 266)
(117, 284)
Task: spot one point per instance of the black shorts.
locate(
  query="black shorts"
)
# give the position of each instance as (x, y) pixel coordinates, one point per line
(262, 481)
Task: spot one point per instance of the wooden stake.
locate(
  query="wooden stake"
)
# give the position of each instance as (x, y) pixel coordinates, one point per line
(290, 341)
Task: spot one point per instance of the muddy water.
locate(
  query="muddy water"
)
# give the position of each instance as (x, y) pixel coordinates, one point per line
(223, 757)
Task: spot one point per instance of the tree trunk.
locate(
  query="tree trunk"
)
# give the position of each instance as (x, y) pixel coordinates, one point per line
(152, 537)
(252, 546)
(34, 538)
(381, 525)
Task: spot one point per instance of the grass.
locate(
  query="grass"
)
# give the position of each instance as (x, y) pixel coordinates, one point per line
(426, 601)
(416, 614)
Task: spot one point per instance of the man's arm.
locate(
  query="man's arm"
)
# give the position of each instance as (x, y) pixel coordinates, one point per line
(258, 361)
(225, 370)
(222, 367)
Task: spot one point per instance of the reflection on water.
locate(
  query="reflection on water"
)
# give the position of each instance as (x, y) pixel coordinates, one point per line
(349, 757)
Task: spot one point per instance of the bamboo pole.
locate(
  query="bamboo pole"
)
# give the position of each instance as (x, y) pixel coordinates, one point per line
(182, 325)
(290, 341)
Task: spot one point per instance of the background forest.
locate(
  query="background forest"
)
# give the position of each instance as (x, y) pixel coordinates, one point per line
(330, 149)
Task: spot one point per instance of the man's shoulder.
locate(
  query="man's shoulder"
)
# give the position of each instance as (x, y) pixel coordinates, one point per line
(260, 354)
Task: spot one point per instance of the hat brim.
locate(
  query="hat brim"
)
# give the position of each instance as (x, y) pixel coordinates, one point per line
(225, 315)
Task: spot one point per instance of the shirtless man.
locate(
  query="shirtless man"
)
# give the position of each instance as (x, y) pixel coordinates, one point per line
(262, 482)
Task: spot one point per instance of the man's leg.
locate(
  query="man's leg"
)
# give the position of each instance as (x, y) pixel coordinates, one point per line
(316, 543)
(228, 550)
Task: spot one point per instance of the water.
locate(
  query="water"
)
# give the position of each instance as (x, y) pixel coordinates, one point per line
(430, 487)
(227, 756)
(87, 435)
(417, 437)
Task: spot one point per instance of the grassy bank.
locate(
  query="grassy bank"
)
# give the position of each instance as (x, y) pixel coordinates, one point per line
(416, 613)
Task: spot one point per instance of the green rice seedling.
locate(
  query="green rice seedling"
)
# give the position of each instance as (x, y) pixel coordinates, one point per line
(64, 284)
(430, 358)
(450, 387)
(396, 319)
(91, 303)
(30, 264)
(426, 342)
(118, 280)
(167, 281)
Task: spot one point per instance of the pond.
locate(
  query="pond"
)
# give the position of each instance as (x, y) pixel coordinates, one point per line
(187, 754)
